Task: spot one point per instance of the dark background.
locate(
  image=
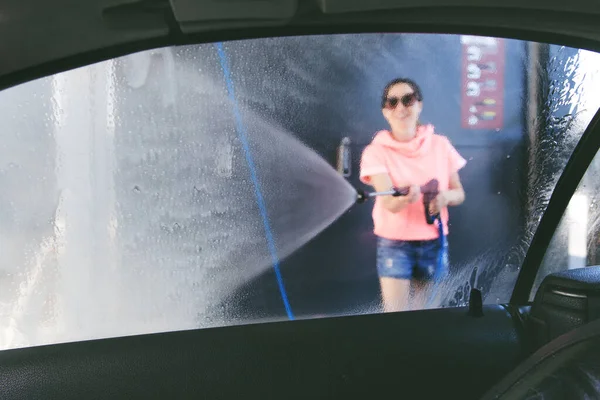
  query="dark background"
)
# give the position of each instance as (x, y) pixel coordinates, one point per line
(343, 78)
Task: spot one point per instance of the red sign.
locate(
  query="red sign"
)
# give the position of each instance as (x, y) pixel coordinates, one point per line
(482, 98)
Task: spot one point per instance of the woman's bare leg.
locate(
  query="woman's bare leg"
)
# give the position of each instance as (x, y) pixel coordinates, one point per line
(420, 293)
(395, 293)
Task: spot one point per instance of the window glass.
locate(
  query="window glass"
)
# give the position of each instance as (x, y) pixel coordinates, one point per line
(572, 245)
(216, 184)
(576, 241)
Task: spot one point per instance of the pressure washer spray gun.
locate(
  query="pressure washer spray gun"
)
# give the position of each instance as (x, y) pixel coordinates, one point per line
(430, 190)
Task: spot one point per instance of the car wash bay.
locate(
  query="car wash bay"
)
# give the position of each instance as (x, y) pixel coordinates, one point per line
(329, 88)
(510, 173)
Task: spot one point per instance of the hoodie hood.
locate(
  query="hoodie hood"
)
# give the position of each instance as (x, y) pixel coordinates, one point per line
(413, 148)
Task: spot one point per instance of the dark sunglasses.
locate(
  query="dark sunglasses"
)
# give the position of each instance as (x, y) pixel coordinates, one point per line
(407, 100)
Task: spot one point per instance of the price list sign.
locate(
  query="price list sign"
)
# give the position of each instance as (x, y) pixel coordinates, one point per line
(482, 98)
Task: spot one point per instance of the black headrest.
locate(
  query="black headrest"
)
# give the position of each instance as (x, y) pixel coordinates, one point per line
(564, 301)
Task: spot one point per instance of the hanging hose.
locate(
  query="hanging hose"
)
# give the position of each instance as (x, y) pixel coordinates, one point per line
(440, 261)
(242, 136)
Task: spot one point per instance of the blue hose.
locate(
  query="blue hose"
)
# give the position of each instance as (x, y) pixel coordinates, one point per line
(440, 270)
(241, 132)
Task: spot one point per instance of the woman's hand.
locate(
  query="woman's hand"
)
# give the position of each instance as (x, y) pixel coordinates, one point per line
(414, 194)
(382, 183)
(453, 197)
(440, 202)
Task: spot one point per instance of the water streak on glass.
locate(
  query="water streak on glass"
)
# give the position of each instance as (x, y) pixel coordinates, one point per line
(576, 242)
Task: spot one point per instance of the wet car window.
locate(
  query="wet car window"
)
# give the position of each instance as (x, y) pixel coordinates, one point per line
(217, 184)
(576, 241)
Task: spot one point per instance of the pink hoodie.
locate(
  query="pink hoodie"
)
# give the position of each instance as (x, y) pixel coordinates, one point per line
(416, 162)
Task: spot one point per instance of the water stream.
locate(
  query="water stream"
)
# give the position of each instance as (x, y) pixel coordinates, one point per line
(169, 196)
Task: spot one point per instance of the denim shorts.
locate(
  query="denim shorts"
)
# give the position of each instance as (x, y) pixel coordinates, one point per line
(423, 260)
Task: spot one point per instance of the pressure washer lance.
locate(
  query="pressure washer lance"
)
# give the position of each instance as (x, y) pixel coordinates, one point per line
(363, 196)
(430, 190)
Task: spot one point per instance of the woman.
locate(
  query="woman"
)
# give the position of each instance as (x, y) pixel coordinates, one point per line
(409, 155)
